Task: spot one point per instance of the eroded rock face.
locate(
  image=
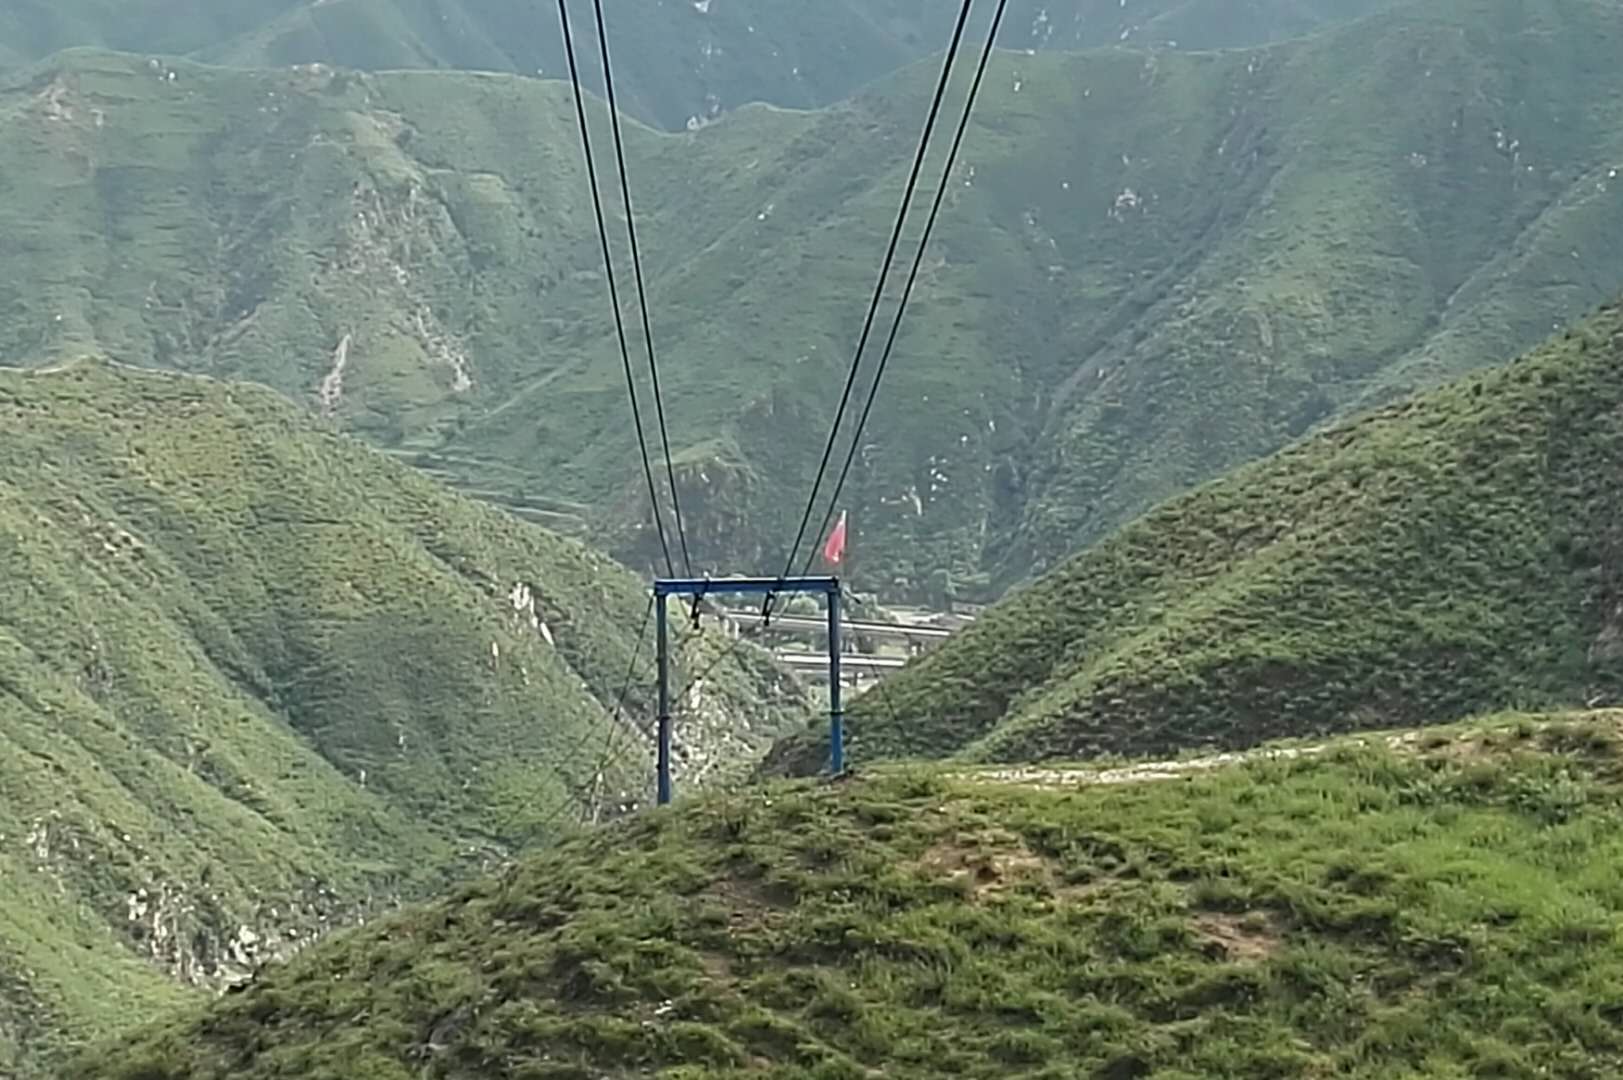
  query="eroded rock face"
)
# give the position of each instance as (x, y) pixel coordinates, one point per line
(202, 934)
(191, 935)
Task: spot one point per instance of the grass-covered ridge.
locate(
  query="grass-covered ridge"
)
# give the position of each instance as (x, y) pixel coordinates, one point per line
(256, 680)
(1455, 553)
(1439, 908)
(1154, 266)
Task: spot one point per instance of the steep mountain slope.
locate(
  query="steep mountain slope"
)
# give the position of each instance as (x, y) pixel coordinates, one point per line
(1438, 910)
(680, 62)
(256, 680)
(1457, 552)
(1153, 267)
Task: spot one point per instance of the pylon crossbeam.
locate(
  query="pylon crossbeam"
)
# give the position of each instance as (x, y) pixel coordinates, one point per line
(665, 588)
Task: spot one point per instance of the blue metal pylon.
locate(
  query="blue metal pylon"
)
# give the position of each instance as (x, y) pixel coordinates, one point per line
(664, 588)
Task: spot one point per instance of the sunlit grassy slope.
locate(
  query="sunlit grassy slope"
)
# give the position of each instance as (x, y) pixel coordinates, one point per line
(1455, 552)
(256, 680)
(1444, 908)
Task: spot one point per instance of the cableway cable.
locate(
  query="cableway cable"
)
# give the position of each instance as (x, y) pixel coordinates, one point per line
(913, 274)
(642, 292)
(608, 754)
(879, 287)
(647, 730)
(605, 756)
(614, 290)
(615, 718)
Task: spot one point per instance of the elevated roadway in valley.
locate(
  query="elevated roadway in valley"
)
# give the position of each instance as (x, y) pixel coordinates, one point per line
(814, 623)
(860, 667)
(855, 663)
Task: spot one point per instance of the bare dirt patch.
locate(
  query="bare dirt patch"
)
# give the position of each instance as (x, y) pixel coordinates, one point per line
(990, 863)
(718, 967)
(1059, 777)
(1443, 742)
(1251, 937)
(750, 905)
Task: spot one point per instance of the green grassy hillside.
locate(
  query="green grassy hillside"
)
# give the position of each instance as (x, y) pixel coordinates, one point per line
(1445, 909)
(1153, 267)
(678, 62)
(1456, 552)
(257, 681)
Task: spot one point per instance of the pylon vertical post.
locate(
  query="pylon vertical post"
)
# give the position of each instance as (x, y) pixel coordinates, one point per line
(769, 587)
(662, 625)
(836, 708)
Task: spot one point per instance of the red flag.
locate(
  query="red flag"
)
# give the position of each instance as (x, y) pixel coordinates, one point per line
(834, 550)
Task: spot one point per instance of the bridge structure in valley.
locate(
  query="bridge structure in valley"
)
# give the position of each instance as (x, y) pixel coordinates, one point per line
(855, 665)
(858, 667)
(918, 638)
(693, 590)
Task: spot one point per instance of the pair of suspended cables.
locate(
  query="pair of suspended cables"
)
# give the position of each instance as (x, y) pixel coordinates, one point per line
(876, 301)
(625, 737)
(608, 755)
(614, 289)
(913, 272)
(586, 796)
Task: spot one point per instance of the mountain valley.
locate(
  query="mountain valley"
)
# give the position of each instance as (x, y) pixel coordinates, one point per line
(1256, 424)
(1136, 286)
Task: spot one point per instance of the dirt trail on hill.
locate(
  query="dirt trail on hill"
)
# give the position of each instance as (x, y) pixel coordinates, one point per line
(1062, 777)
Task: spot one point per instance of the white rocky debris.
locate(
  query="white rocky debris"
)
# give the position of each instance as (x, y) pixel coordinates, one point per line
(380, 236)
(522, 597)
(332, 386)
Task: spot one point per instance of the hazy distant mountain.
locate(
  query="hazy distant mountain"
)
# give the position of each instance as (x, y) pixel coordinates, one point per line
(679, 61)
(1153, 266)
